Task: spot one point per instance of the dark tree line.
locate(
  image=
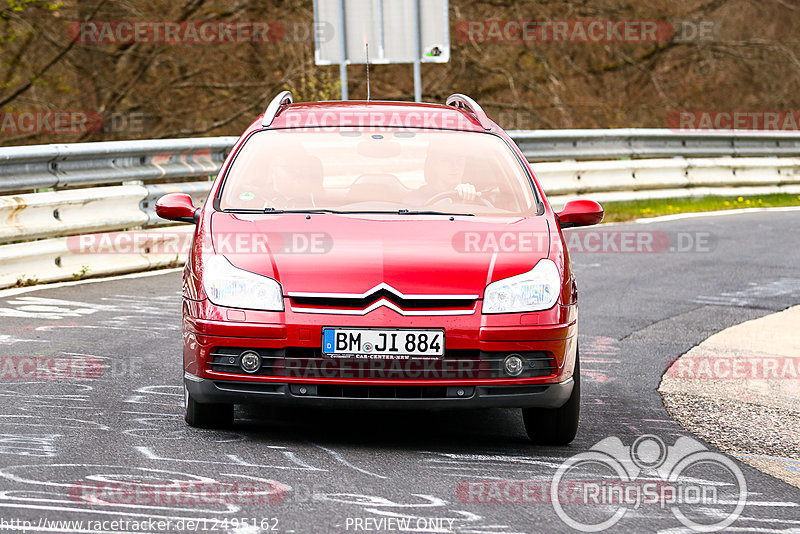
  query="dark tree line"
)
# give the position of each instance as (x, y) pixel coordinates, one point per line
(723, 55)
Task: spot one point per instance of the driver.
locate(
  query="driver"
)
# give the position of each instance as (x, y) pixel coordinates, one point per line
(294, 182)
(444, 173)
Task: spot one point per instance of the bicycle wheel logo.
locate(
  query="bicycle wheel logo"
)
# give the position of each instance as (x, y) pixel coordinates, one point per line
(704, 490)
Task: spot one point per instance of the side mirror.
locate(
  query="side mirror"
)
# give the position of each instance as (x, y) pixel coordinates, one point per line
(580, 213)
(177, 207)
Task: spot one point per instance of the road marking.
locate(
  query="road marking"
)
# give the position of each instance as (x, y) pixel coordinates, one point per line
(48, 422)
(41, 445)
(6, 339)
(289, 455)
(339, 458)
(750, 296)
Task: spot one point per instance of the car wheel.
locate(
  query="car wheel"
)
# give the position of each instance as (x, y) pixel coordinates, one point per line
(556, 426)
(201, 415)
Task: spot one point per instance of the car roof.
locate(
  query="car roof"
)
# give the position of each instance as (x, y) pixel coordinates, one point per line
(354, 113)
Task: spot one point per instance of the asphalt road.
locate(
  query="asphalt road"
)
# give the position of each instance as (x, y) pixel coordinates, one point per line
(73, 448)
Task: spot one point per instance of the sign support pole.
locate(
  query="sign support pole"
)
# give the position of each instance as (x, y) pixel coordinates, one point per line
(417, 54)
(343, 59)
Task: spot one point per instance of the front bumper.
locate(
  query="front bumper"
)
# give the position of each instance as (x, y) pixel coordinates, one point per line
(209, 328)
(379, 396)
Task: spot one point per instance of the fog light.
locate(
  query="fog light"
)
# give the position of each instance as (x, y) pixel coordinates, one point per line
(250, 361)
(514, 365)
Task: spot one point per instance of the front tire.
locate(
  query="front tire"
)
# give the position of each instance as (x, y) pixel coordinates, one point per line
(202, 415)
(556, 426)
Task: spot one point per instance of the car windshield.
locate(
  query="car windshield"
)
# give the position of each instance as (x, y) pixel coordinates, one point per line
(406, 170)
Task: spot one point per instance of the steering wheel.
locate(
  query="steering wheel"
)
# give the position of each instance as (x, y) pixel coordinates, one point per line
(454, 196)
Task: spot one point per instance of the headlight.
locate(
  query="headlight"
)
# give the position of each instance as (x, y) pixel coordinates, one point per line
(538, 289)
(228, 286)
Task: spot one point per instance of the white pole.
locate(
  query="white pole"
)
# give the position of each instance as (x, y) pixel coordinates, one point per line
(343, 47)
(417, 54)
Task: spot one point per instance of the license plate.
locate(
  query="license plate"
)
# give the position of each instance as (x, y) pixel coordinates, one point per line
(377, 343)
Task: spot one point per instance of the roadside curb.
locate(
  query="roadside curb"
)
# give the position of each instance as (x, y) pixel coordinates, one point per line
(11, 291)
(740, 391)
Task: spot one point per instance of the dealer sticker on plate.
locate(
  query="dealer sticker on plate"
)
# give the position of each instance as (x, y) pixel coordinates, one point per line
(382, 343)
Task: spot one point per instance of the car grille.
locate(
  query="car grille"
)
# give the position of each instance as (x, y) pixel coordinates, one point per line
(297, 362)
(348, 304)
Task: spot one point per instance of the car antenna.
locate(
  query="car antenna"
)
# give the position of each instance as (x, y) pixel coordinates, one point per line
(366, 46)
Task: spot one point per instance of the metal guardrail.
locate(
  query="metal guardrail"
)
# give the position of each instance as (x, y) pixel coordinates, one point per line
(118, 182)
(631, 143)
(83, 164)
(632, 179)
(93, 209)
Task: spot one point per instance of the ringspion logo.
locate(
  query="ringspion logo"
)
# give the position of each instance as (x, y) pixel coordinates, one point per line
(704, 490)
(594, 490)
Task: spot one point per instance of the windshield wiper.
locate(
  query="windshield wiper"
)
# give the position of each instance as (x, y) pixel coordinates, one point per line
(319, 210)
(430, 212)
(271, 210)
(310, 210)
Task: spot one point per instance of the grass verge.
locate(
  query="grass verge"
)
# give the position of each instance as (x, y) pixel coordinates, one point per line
(636, 209)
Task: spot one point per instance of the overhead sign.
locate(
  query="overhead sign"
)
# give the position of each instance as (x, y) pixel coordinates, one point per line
(387, 26)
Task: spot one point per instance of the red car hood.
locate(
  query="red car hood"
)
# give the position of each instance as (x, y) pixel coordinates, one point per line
(427, 254)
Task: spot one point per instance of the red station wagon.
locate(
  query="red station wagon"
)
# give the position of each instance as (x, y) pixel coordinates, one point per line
(380, 255)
